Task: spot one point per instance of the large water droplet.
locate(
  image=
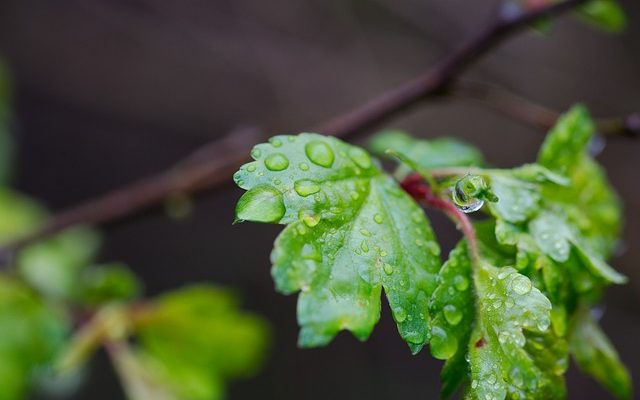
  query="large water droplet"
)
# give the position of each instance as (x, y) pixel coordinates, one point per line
(319, 153)
(465, 192)
(306, 187)
(360, 157)
(443, 346)
(261, 204)
(521, 285)
(276, 162)
(452, 314)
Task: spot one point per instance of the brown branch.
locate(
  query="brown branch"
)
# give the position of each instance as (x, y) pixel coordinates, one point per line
(536, 115)
(215, 171)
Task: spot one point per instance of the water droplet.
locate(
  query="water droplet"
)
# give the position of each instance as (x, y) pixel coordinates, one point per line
(276, 162)
(251, 167)
(503, 337)
(306, 187)
(303, 166)
(256, 153)
(309, 218)
(543, 324)
(443, 346)
(360, 157)
(319, 153)
(474, 384)
(364, 246)
(400, 314)
(277, 181)
(419, 242)
(377, 218)
(388, 269)
(461, 283)
(354, 195)
(301, 230)
(465, 191)
(383, 253)
(335, 210)
(491, 379)
(452, 314)
(310, 252)
(521, 285)
(261, 204)
(275, 142)
(503, 274)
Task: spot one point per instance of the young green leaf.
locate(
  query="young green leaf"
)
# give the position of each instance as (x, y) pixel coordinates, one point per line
(452, 310)
(504, 357)
(596, 356)
(33, 332)
(590, 203)
(346, 238)
(604, 14)
(428, 154)
(200, 328)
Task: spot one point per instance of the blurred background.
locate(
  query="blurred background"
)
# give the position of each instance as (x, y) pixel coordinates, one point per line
(110, 91)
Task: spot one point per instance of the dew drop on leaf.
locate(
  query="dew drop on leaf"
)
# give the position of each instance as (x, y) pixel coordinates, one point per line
(461, 283)
(261, 204)
(276, 162)
(360, 157)
(377, 218)
(303, 166)
(452, 314)
(521, 285)
(306, 187)
(319, 153)
(443, 346)
(388, 269)
(400, 314)
(309, 218)
(256, 153)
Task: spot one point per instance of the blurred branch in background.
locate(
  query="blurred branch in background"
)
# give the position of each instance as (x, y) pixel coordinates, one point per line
(531, 113)
(212, 166)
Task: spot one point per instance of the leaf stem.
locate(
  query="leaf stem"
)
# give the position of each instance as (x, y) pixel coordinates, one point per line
(415, 186)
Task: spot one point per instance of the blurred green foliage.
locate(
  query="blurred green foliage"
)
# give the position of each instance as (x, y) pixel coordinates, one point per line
(189, 341)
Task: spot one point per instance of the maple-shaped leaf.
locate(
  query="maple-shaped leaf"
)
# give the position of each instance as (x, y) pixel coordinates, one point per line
(351, 232)
(596, 356)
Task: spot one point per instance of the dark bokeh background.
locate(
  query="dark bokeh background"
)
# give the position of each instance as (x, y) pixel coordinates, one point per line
(111, 91)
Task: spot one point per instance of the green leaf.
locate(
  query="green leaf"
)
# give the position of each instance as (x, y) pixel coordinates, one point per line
(590, 203)
(346, 238)
(19, 215)
(604, 14)
(145, 377)
(509, 351)
(32, 334)
(105, 283)
(596, 356)
(452, 310)
(195, 338)
(428, 154)
(54, 265)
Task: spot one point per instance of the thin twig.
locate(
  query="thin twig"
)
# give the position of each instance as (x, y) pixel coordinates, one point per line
(216, 170)
(530, 113)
